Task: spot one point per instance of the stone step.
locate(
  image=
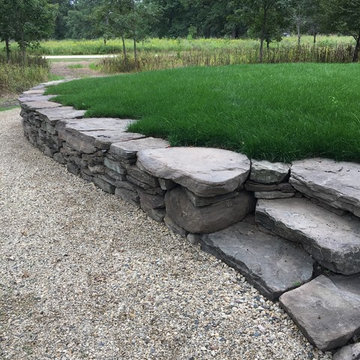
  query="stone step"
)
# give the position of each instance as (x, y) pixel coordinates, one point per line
(350, 352)
(333, 240)
(272, 264)
(334, 183)
(327, 310)
(206, 172)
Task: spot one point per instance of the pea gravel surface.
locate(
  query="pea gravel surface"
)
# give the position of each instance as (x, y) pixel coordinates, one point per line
(84, 275)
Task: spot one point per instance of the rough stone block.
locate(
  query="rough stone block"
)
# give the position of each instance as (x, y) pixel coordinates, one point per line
(265, 172)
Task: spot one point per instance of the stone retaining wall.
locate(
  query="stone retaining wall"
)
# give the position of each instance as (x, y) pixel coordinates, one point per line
(306, 222)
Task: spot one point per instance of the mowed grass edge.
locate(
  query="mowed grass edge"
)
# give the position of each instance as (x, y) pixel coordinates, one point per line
(279, 112)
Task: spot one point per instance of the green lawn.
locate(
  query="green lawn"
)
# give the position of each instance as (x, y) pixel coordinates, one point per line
(276, 112)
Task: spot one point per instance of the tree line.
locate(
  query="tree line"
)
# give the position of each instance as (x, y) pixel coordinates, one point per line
(26, 21)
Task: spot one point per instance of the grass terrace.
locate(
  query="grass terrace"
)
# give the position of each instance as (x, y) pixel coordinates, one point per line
(279, 112)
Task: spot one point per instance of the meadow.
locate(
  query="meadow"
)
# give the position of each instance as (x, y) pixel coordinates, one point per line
(278, 112)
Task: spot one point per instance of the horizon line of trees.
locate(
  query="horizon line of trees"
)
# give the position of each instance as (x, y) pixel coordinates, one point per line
(27, 21)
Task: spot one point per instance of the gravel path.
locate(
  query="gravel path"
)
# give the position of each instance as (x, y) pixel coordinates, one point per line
(87, 276)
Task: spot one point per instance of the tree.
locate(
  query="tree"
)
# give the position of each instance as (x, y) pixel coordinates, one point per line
(344, 16)
(33, 21)
(6, 25)
(266, 19)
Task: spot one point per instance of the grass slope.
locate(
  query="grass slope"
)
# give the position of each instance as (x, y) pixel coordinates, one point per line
(273, 112)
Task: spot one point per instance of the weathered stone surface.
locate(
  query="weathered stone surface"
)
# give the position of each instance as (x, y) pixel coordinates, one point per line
(335, 183)
(350, 352)
(326, 309)
(332, 240)
(129, 149)
(274, 195)
(101, 132)
(205, 201)
(34, 91)
(104, 185)
(34, 97)
(78, 142)
(272, 264)
(37, 105)
(210, 218)
(73, 168)
(128, 195)
(148, 201)
(204, 171)
(142, 177)
(256, 187)
(266, 172)
(175, 228)
(114, 166)
(63, 113)
(166, 184)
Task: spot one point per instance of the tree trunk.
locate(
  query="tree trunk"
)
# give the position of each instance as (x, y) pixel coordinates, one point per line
(135, 52)
(261, 55)
(298, 28)
(124, 47)
(357, 49)
(268, 44)
(105, 41)
(7, 45)
(315, 34)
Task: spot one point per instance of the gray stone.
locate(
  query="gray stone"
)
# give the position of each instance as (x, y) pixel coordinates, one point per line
(175, 228)
(204, 171)
(274, 195)
(114, 166)
(272, 264)
(148, 201)
(210, 218)
(62, 113)
(129, 149)
(34, 97)
(332, 240)
(78, 142)
(326, 309)
(102, 132)
(104, 185)
(73, 168)
(193, 239)
(59, 158)
(37, 105)
(34, 92)
(156, 214)
(350, 352)
(114, 175)
(166, 184)
(335, 183)
(266, 172)
(142, 177)
(199, 201)
(256, 187)
(127, 195)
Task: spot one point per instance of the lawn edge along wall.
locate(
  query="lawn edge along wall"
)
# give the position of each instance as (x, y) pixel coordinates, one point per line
(301, 247)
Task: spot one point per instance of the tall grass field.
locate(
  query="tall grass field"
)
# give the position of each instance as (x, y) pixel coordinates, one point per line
(278, 112)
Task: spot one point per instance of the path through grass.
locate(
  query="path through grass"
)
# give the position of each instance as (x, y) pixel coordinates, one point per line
(276, 112)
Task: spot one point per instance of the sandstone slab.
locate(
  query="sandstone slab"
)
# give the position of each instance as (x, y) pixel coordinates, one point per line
(350, 352)
(335, 183)
(273, 265)
(210, 218)
(265, 172)
(38, 105)
(334, 241)
(204, 171)
(326, 309)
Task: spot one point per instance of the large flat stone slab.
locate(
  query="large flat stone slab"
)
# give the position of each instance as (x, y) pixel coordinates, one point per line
(350, 352)
(36, 97)
(40, 104)
(62, 113)
(333, 240)
(100, 132)
(273, 265)
(335, 183)
(207, 219)
(204, 171)
(129, 149)
(326, 309)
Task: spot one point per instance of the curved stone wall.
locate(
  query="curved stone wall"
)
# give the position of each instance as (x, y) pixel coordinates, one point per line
(302, 244)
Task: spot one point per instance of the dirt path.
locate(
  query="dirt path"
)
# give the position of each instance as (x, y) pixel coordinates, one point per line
(74, 69)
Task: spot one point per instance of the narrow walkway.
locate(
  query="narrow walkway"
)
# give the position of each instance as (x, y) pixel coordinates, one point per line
(87, 276)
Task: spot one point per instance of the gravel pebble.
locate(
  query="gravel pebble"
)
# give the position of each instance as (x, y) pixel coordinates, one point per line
(85, 275)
